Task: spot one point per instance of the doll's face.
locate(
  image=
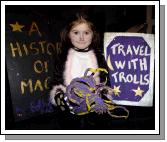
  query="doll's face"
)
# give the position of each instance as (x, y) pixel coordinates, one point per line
(81, 36)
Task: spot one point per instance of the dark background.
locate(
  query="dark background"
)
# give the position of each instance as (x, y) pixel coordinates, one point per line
(107, 19)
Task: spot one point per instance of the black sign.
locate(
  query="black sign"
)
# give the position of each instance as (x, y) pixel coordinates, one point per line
(29, 59)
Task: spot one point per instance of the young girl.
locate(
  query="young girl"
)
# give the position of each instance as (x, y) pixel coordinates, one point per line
(80, 50)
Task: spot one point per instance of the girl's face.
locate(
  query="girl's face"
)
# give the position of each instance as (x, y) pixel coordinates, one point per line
(81, 36)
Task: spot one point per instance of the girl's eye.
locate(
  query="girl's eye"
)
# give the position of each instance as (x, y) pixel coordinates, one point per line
(75, 33)
(87, 33)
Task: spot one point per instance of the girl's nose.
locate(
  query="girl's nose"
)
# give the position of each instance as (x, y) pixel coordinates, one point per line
(81, 36)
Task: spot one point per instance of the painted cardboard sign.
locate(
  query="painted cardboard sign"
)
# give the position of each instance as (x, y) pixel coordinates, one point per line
(29, 60)
(130, 59)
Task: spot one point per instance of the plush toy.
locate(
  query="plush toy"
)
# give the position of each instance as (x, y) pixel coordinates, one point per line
(84, 96)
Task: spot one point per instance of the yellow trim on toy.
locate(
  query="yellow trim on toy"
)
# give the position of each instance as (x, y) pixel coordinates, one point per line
(78, 92)
(82, 113)
(87, 103)
(74, 101)
(97, 70)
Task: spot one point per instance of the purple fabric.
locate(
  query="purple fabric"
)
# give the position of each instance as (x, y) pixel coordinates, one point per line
(87, 96)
